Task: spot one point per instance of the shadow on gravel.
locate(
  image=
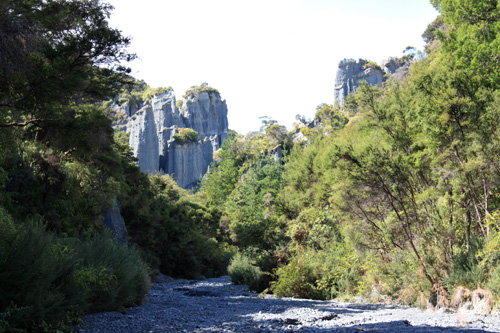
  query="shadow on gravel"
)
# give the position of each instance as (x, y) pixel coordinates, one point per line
(216, 305)
(327, 311)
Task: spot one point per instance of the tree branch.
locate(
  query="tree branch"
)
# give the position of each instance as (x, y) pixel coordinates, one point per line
(16, 124)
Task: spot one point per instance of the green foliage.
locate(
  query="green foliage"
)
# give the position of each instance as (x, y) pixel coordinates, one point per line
(298, 279)
(46, 71)
(242, 186)
(45, 279)
(178, 237)
(150, 92)
(135, 94)
(322, 265)
(203, 88)
(235, 157)
(466, 269)
(186, 135)
(472, 42)
(431, 33)
(303, 179)
(223, 175)
(179, 103)
(59, 162)
(321, 274)
(77, 185)
(331, 117)
(242, 271)
(249, 206)
(111, 274)
(275, 134)
(411, 177)
(131, 94)
(35, 280)
(493, 284)
(372, 64)
(489, 255)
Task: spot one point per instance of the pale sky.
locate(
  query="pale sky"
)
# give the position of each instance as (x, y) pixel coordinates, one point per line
(275, 58)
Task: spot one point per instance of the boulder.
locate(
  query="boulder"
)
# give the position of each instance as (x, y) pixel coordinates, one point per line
(115, 223)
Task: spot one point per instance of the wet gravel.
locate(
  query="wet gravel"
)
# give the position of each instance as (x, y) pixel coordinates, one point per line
(216, 305)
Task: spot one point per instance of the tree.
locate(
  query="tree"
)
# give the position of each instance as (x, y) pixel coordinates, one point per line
(59, 60)
(431, 33)
(56, 53)
(472, 44)
(224, 173)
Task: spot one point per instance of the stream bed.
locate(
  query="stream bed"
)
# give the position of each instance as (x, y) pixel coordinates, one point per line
(216, 305)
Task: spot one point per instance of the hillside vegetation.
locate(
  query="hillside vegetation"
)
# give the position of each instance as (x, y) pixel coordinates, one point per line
(62, 167)
(397, 190)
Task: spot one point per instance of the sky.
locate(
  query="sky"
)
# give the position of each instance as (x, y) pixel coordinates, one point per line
(274, 58)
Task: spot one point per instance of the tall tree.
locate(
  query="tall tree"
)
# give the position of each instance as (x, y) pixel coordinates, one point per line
(55, 53)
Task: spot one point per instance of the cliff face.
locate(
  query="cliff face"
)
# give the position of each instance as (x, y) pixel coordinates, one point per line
(152, 129)
(351, 73)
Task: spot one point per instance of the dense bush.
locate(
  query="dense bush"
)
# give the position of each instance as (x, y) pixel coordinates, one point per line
(150, 92)
(466, 270)
(179, 103)
(203, 88)
(299, 278)
(178, 237)
(186, 135)
(320, 274)
(494, 283)
(112, 275)
(46, 280)
(36, 280)
(242, 271)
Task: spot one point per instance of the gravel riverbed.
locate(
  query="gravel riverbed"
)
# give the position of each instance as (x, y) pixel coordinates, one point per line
(216, 305)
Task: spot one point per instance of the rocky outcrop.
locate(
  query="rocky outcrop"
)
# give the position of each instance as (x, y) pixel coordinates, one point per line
(297, 129)
(152, 128)
(115, 223)
(143, 130)
(391, 65)
(189, 162)
(351, 73)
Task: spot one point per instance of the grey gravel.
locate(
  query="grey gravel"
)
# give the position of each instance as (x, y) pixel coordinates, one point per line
(216, 305)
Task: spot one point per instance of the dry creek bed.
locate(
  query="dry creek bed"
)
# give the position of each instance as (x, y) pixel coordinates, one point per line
(216, 305)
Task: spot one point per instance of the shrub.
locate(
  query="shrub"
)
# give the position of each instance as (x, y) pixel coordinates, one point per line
(396, 276)
(466, 269)
(111, 275)
(242, 271)
(297, 279)
(186, 135)
(46, 280)
(178, 238)
(320, 274)
(494, 284)
(150, 92)
(179, 103)
(204, 87)
(36, 281)
(372, 64)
